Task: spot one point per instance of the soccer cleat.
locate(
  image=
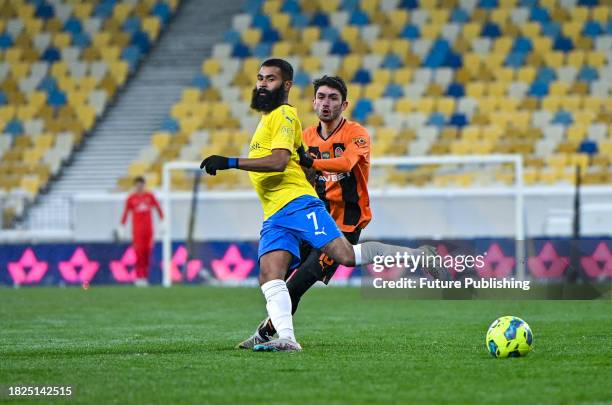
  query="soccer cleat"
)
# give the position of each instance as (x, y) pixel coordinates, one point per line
(251, 342)
(437, 272)
(141, 282)
(255, 339)
(278, 345)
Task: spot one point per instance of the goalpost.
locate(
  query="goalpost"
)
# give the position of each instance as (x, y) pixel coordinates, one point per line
(517, 189)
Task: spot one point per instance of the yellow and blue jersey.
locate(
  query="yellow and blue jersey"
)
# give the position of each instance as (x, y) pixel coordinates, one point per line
(279, 129)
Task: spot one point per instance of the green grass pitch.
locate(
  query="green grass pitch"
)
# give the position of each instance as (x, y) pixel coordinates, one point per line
(121, 344)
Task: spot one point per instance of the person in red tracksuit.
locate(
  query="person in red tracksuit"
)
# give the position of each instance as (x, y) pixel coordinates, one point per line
(141, 203)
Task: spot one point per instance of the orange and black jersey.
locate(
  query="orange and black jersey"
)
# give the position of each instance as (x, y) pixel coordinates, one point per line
(343, 168)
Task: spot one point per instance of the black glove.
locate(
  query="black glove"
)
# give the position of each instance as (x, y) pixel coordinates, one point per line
(305, 159)
(215, 162)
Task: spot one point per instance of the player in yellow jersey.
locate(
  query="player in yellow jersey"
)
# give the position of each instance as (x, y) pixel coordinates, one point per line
(292, 212)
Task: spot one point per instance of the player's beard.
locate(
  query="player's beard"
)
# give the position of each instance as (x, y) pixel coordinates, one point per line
(269, 100)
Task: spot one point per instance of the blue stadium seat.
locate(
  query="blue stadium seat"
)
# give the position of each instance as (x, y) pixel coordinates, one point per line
(410, 31)
(538, 89)
(437, 54)
(104, 9)
(459, 15)
(51, 54)
(330, 34)
(131, 24)
(522, 44)
(563, 44)
(301, 79)
(81, 39)
(488, 4)
(13, 127)
(409, 4)
(563, 117)
(45, 11)
(515, 59)
(458, 120)
(320, 19)
(162, 10)
(201, 81)
(546, 74)
(299, 20)
(359, 18)
(456, 90)
(270, 35)
(131, 54)
(393, 90)
(170, 124)
(436, 119)
(362, 76)
(231, 37)
(490, 30)
(291, 7)
(6, 41)
(587, 74)
(260, 21)
(363, 108)
(340, 48)
(540, 14)
(240, 50)
(589, 147)
(73, 25)
(592, 29)
(57, 98)
(262, 50)
(141, 40)
(48, 84)
(392, 61)
(551, 29)
(3, 98)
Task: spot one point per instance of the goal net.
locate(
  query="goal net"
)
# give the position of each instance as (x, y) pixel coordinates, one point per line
(434, 198)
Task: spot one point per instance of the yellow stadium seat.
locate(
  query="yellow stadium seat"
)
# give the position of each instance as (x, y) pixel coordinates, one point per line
(86, 115)
(570, 103)
(44, 141)
(601, 13)
(576, 132)
(508, 104)
(138, 168)
(530, 29)
(475, 89)
(152, 26)
(579, 14)
(500, 16)
(471, 30)
(30, 184)
(191, 95)
(61, 40)
(430, 31)
(211, 67)
(351, 64)
(311, 34)
(558, 89)
(119, 71)
(471, 133)
(503, 45)
(526, 74)
(400, 46)
(402, 76)
(596, 59)
(576, 58)
(271, 7)
(542, 44)
(380, 46)
(572, 29)
(374, 91)
(398, 18)
(551, 103)
(311, 64)
(110, 54)
(405, 105)
(592, 103)
(554, 59)
(381, 76)
(281, 49)
(426, 105)
(445, 105)
(350, 34)
(160, 140)
(82, 10)
(33, 25)
(497, 89)
(121, 11)
(280, 21)
(251, 36)
(584, 117)
(7, 113)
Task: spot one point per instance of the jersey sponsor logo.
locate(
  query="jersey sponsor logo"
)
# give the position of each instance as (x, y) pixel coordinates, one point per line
(361, 142)
(325, 155)
(325, 176)
(254, 146)
(290, 119)
(142, 207)
(287, 131)
(338, 151)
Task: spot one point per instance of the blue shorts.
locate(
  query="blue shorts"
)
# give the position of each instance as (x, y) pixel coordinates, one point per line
(304, 219)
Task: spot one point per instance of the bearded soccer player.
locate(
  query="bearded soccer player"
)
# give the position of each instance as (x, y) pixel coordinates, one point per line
(292, 212)
(141, 204)
(339, 153)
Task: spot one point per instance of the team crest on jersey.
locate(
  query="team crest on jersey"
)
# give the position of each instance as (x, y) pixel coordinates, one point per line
(325, 155)
(361, 142)
(338, 151)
